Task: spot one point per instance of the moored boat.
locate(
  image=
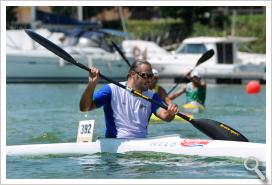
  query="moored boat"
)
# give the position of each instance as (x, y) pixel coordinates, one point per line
(31, 63)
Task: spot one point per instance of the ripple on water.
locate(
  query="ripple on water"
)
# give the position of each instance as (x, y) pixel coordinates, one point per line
(47, 137)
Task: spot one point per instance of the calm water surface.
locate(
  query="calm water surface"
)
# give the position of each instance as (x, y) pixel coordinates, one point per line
(49, 113)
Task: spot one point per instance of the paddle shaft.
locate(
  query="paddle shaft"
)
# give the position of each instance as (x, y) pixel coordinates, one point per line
(211, 128)
(121, 53)
(173, 88)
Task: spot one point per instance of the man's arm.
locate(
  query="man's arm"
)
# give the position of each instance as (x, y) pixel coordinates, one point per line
(203, 84)
(86, 101)
(169, 114)
(178, 93)
(162, 93)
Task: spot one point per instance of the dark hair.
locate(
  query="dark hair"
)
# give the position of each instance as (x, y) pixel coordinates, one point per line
(136, 64)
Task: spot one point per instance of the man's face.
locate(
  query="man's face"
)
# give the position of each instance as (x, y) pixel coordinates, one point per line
(154, 81)
(143, 77)
(196, 79)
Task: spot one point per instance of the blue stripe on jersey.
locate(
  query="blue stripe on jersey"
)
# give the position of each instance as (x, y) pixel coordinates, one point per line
(103, 98)
(155, 107)
(111, 131)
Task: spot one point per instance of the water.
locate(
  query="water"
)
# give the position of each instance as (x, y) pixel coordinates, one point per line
(49, 113)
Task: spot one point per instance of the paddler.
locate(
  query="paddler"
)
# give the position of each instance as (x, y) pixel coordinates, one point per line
(195, 90)
(126, 115)
(159, 89)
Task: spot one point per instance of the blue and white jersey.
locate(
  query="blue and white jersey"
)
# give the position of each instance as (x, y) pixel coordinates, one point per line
(126, 115)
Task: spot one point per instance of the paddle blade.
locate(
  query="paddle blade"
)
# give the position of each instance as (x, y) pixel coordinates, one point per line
(206, 56)
(217, 130)
(54, 48)
(64, 55)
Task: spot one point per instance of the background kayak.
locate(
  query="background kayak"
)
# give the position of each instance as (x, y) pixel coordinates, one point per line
(193, 107)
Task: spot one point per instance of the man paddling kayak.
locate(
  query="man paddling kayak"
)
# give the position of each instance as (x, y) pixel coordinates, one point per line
(158, 89)
(195, 90)
(126, 115)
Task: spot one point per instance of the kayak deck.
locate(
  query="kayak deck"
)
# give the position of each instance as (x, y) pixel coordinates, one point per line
(167, 144)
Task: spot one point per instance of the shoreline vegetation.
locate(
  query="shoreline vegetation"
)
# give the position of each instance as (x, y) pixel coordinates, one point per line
(173, 31)
(169, 26)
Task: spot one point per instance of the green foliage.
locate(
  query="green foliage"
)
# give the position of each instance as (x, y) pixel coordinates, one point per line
(205, 30)
(68, 11)
(143, 27)
(160, 30)
(11, 15)
(174, 23)
(71, 11)
(169, 31)
(252, 26)
(188, 14)
(90, 11)
(245, 26)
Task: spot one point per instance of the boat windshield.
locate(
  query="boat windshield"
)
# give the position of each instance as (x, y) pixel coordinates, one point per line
(192, 48)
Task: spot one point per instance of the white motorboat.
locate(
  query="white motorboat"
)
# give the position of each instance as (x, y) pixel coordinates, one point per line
(30, 62)
(227, 64)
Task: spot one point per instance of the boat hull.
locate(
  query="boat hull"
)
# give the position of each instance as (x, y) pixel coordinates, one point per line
(193, 107)
(166, 144)
(43, 66)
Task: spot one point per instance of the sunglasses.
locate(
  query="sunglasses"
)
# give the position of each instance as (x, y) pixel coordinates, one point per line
(196, 77)
(145, 75)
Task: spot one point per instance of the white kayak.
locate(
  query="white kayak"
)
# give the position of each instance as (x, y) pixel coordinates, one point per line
(172, 144)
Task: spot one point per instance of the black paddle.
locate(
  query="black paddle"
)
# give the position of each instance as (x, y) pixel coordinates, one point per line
(206, 56)
(211, 128)
(121, 53)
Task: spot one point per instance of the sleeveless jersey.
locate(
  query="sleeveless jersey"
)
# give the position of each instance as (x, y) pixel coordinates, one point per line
(126, 115)
(195, 94)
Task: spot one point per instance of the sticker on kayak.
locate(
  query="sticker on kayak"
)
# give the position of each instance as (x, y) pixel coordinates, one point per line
(194, 142)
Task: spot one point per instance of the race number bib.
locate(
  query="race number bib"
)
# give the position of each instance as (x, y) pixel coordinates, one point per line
(85, 131)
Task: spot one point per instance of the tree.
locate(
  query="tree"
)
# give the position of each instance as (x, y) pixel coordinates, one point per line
(91, 11)
(11, 15)
(68, 11)
(71, 11)
(188, 14)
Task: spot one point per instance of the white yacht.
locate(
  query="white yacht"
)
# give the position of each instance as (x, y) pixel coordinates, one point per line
(29, 62)
(227, 64)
